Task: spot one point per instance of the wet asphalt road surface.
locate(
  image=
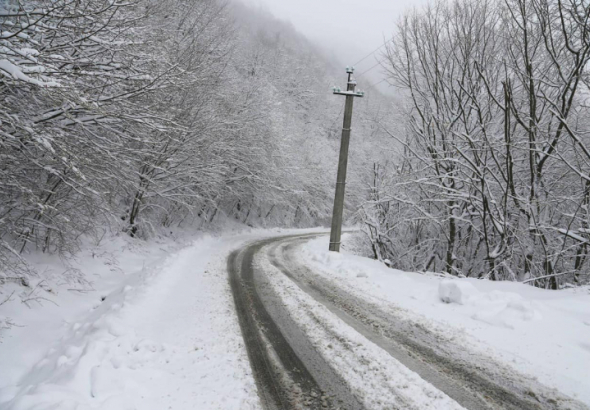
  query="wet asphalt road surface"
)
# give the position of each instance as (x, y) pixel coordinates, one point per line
(291, 374)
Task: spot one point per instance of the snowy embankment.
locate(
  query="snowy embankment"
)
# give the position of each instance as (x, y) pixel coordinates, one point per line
(158, 331)
(538, 332)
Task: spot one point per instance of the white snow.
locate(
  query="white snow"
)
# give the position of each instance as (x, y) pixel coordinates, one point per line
(452, 291)
(152, 326)
(538, 332)
(165, 335)
(15, 72)
(155, 328)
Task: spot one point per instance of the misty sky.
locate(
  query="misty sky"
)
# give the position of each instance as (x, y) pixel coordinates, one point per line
(349, 29)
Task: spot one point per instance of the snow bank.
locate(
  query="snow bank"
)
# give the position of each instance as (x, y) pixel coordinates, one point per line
(164, 336)
(153, 327)
(506, 309)
(538, 332)
(496, 308)
(454, 291)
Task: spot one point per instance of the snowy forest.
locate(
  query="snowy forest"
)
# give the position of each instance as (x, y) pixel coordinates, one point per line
(190, 220)
(139, 116)
(491, 179)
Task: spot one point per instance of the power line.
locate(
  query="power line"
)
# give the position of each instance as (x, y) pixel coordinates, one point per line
(336, 119)
(385, 79)
(373, 52)
(366, 71)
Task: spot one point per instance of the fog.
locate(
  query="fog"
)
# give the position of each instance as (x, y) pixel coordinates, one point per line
(347, 29)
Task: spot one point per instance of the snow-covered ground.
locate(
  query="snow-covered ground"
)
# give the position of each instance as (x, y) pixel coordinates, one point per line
(539, 332)
(155, 327)
(156, 331)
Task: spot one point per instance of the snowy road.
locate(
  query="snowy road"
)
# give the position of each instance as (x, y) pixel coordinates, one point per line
(312, 344)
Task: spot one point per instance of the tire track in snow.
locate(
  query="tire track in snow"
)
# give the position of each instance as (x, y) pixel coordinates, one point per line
(283, 379)
(375, 378)
(483, 385)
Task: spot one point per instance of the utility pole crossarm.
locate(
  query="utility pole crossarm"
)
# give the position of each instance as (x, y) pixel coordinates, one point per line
(353, 93)
(350, 94)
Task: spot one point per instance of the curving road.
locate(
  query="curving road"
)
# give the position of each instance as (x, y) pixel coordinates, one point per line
(292, 374)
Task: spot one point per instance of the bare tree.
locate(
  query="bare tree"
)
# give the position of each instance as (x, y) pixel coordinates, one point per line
(493, 88)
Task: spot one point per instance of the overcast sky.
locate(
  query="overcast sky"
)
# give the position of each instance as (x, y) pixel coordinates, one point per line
(349, 29)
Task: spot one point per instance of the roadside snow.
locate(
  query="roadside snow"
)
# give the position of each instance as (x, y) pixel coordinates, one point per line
(164, 337)
(454, 291)
(538, 332)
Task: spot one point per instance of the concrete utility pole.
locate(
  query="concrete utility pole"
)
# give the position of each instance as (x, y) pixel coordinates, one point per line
(336, 231)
